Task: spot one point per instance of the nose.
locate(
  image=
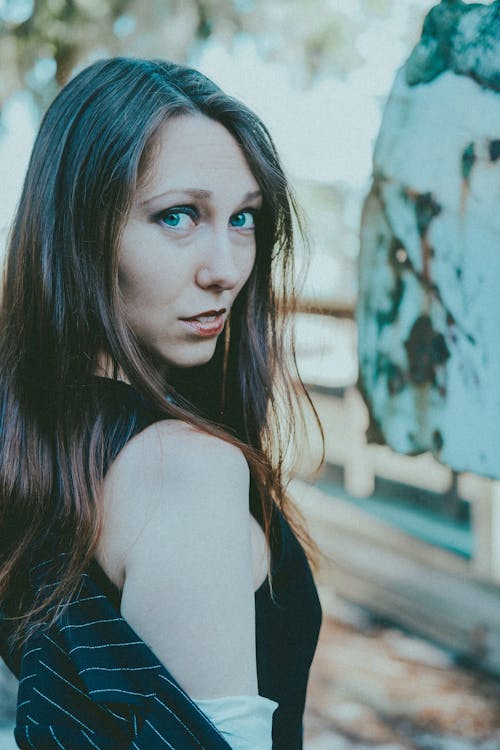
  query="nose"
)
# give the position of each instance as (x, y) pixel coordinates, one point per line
(218, 267)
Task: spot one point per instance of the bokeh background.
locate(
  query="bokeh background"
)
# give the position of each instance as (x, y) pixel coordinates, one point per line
(399, 663)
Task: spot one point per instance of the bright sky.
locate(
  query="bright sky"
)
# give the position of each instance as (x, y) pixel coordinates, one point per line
(325, 133)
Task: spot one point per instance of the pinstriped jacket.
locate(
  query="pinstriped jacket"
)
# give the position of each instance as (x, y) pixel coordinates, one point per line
(91, 682)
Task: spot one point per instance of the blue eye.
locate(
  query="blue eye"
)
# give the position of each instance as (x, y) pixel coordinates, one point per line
(243, 220)
(178, 218)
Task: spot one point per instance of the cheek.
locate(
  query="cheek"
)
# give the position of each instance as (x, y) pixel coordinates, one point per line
(139, 266)
(146, 277)
(247, 267)
(151, 293)
(131, 284)
(130, 272)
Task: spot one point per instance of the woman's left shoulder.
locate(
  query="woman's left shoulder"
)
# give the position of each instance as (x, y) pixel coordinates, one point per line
(177, 526)
(167, 470)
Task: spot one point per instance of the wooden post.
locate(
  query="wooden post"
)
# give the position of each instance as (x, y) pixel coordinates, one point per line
(359, 478)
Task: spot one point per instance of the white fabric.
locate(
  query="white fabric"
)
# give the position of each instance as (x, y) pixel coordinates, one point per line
(245, 721)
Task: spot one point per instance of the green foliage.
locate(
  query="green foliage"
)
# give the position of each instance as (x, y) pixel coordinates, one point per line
(39, 51)
(59, 30)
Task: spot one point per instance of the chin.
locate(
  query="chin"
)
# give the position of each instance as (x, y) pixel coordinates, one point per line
(186, 359)
(186, 365)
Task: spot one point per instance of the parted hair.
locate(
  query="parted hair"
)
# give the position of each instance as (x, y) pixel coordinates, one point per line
(61, 312)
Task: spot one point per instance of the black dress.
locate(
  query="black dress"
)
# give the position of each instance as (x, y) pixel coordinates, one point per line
(91, 682)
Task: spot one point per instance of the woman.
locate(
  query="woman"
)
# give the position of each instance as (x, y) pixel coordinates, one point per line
(153, 591)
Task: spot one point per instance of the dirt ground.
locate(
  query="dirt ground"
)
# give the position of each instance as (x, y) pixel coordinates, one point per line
(374, 687)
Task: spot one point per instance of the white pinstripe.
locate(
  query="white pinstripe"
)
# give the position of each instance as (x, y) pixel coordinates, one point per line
(117, 716)
(119, 690)
(179, 690)
(77, 601)
(28, 677)
(63, 710)
(87, 599)
(50, 585)
(59, 648)
(94, 622)
(27, 734)
(159, 735)
(164, 705)
(120, 669)
(71, 685)
(90, 740)
(107, 645)
(64, 679)
(58, 743)
(46, 562)
(194, 705)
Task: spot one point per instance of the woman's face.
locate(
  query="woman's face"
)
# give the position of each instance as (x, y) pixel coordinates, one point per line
(188, 244)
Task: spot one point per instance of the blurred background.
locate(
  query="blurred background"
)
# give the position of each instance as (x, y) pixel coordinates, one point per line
(409, 655)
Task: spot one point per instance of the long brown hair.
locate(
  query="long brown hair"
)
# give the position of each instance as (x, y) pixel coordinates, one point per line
(61, 311)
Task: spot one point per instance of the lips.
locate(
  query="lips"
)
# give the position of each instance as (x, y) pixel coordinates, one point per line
(206, 324)
(208, 316)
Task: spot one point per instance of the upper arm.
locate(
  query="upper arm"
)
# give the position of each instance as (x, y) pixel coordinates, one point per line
(184, 543)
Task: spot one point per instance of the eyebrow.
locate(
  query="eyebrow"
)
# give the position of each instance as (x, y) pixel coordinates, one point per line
(200, 194)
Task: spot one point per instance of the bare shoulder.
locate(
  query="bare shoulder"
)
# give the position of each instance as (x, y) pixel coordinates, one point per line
(170, 468)
(176, 538)
(176, 446)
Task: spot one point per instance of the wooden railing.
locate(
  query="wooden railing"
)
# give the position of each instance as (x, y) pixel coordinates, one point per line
(446, 590)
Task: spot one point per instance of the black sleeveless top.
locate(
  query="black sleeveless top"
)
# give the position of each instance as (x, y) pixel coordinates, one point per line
(91, 682)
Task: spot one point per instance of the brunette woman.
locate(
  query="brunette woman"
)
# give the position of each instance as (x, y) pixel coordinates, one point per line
(153, 587)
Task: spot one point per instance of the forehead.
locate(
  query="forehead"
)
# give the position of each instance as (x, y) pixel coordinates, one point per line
(193, 151)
